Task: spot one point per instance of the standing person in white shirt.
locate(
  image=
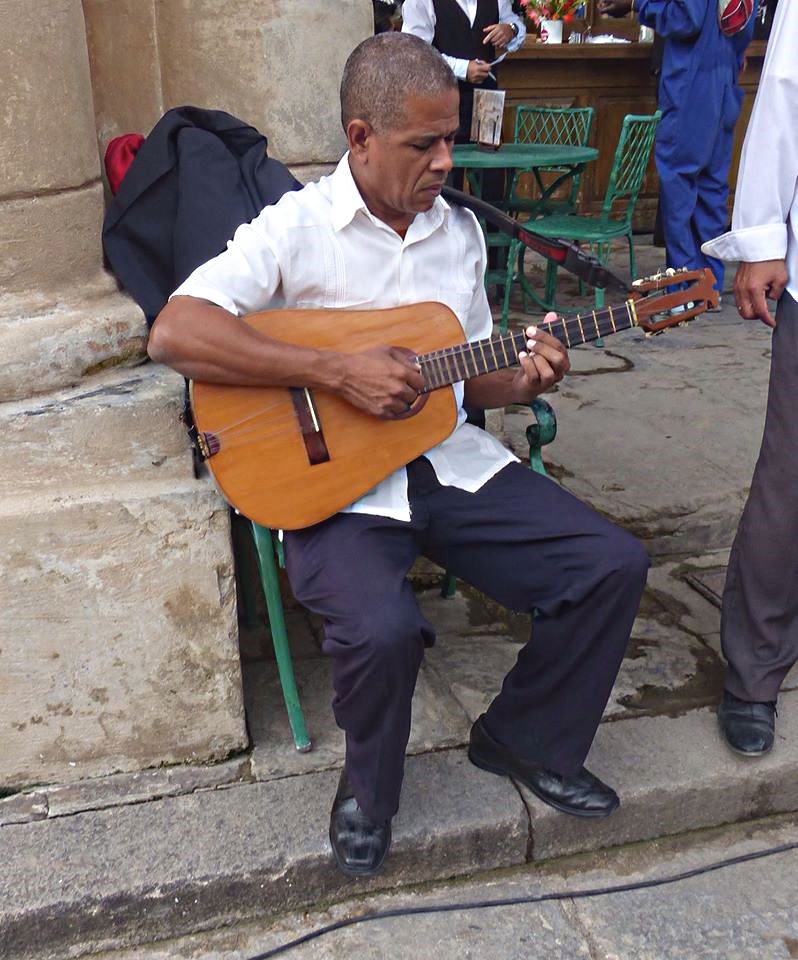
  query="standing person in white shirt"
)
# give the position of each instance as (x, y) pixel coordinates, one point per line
(377, 233)
(759, 624)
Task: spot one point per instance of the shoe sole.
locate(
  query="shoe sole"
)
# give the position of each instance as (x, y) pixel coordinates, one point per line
(502, 772)
(355, 871)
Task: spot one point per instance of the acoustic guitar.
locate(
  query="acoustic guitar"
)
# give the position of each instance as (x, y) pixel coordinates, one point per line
(291, 457)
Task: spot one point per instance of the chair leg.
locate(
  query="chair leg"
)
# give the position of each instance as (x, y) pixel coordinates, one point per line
(551, 283)
(602, 251)
(449, 587)
(282, 652)
(521, 277)
(508, 285)
(632, 258)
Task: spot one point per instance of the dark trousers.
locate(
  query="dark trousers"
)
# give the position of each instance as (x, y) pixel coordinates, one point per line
(759, 624)
(522, 540)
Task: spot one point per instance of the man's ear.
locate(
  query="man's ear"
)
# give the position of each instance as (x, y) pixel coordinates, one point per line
(358, 135)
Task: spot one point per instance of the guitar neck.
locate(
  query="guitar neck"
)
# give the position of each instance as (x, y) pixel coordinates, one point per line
(466, 360)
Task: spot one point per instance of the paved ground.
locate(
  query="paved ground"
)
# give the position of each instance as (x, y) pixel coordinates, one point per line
(744, 911)
(660, 434)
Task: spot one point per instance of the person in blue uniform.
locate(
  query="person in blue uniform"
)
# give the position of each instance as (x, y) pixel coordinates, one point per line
(700, 99)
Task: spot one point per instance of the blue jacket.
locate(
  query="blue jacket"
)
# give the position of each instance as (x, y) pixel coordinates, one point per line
(699, 64)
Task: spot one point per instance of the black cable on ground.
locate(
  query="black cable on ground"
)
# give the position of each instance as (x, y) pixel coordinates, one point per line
(514, 901)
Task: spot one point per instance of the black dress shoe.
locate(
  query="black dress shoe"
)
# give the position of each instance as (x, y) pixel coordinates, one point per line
(584, 795)
(358, 843)
(748, 727)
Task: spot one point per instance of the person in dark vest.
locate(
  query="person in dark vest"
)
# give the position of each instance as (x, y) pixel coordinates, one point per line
(470, 34)
(377, 233)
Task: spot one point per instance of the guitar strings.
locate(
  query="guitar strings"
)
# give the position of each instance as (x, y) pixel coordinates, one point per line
(454, 353)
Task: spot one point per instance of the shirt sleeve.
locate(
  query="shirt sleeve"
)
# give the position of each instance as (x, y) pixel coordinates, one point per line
(679, 19)
(506, 15)
(767, 181)
(418, 18)
(243, 278)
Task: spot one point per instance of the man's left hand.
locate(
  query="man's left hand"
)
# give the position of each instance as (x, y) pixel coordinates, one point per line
(499, 34)
(545, 363)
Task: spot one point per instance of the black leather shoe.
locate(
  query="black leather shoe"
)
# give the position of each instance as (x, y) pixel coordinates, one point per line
(584, 795)
(358, 843)
(748, 727)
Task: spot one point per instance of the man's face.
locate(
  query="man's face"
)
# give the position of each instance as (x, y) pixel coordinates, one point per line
(400, 172)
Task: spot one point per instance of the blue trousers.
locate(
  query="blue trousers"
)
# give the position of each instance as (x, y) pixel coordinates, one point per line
(693, 153)
(522, 540)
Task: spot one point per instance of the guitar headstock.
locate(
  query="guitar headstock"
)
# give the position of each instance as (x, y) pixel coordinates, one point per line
(657, 296)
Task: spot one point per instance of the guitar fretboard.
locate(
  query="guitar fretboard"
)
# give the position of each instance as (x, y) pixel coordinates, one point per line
(466, 360)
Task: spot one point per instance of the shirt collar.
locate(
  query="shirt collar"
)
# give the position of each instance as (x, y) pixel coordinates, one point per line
(347, 201)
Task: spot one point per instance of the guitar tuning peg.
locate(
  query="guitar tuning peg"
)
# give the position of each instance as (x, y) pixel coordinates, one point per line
(670, 272)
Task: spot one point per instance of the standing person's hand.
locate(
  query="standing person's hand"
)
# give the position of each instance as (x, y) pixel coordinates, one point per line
(615, 8)
(499, 34)
(477, 71)
(755, 284)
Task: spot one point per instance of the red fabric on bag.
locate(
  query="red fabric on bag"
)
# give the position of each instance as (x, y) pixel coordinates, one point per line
(734, 15)
(119, 155)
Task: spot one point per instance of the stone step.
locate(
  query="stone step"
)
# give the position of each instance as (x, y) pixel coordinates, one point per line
(256, 850)
(118, 642)
(47, 345)
(118, 427)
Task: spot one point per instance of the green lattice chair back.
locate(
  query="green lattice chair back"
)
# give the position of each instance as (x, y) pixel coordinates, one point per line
(629, 166)
(561, 125)
(558, 125)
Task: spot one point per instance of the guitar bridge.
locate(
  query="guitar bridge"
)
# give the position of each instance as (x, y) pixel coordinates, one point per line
(312, 434)
(208, 444)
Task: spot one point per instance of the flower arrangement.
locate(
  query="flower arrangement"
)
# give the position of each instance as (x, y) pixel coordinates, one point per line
(537, 10)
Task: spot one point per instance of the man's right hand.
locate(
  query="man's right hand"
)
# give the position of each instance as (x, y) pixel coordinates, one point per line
(477, 71)
(754, 284)
(614, 8)
(384, 381)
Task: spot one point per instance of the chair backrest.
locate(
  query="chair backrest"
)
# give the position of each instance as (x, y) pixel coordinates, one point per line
(560, 125)
(629, 165)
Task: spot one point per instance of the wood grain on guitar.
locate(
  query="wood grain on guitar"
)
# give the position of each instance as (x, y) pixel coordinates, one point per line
(291, 458)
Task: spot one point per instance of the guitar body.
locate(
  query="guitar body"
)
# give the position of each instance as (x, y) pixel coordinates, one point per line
(289, 458)
(264, 464)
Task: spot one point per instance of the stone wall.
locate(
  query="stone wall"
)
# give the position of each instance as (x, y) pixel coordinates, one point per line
(118, 644)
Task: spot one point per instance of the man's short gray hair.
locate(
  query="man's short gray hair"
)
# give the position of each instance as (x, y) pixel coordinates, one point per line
(383, 71)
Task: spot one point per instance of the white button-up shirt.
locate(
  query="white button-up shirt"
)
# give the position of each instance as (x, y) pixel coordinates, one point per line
(765, 218)
(322, 247)
(418, 18)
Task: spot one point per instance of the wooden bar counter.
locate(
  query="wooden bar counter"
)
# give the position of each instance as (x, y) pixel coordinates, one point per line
(615, 79)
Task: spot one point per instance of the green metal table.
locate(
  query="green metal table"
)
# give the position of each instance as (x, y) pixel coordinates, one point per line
(532, 157)
(526, 157)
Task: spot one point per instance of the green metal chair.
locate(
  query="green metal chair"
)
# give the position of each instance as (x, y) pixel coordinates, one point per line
(262, 570)
(559, 125)
(556, 125)
(615, 220)
(269, 552)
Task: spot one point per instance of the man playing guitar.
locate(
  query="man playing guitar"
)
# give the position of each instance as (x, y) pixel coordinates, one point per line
(374, 234)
